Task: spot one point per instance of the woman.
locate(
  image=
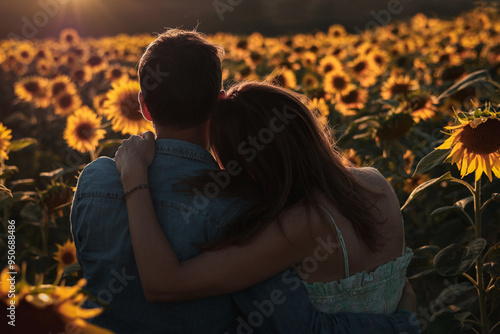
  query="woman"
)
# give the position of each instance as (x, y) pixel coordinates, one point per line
(339, 226)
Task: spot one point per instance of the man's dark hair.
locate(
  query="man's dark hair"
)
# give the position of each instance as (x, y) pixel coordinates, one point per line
(181, 75)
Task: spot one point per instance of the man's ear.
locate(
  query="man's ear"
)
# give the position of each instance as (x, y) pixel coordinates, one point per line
(222, 95)
(144, 108)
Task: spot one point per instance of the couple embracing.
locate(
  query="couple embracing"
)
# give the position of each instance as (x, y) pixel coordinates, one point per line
(238, 215)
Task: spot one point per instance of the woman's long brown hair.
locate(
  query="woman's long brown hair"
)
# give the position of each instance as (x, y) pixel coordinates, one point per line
(279, 155)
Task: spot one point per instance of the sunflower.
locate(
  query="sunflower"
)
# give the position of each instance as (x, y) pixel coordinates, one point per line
(81, 75)
(362, 69)
(33, 89)
(83, 130)
(354, 98)
(5, 137)
(96, 63)
(98, 103)
(69, 37)
(337, 82)
(310, 81)
(309, 59)
(328, 64)
(475, 143)
(447, 56)
(43, 67)
(380, 60)
(320, 109)
(25, 53)
(66, 102)
(398, 85)
(122, 108)
(423, 107)
(337, 31)
(284, 78)
(51, 308)
(65, 255)
(60, 84)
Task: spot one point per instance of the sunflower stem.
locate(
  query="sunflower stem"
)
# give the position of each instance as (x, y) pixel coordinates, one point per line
(479, 263)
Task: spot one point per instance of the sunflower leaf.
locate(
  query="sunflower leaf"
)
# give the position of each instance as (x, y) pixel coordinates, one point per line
(422, 261)
(431, 160)
(19, 144)
(71, 269)
(457, 259)
(478, 76)
(424, 185)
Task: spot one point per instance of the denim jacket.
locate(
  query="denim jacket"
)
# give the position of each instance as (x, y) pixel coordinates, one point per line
(101, 233)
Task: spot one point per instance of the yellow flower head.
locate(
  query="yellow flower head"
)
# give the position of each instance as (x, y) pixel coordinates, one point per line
(351, 101)
(328, 64)
(310, 81)
(61, 84)
(51, 308)
(66, 102)
(320, 109)
(69, 37)
(122, 108)
(83, 131)
(475, 143)
(34, 90)
(398, 85)
(65, 255)
(337, 82)
(5, 137)
(284, 78)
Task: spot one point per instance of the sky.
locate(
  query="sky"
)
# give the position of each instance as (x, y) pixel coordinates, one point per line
(42, 18)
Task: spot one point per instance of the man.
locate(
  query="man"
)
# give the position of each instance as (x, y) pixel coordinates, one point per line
(180, 76)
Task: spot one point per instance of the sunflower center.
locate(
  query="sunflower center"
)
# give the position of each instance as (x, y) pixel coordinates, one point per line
(65, 101)
(116, 73)
(94, 61)
(359, 67)
(129, 107)
(444, 58)
(84, 131)
(328, 68)
(281, 79)
(25, 54)
(79, 75)
(418, 102)
(378, 59)
(68, 258)
(339, 83)
(400, 88)
(33, 87)
(69, 38)
(352, 97)
(58, 88)
(484, 139)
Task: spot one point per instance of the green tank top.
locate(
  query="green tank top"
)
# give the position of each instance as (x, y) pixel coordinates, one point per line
(375, 292)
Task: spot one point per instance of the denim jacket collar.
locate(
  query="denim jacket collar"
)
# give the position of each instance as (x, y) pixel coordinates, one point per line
(184, 149)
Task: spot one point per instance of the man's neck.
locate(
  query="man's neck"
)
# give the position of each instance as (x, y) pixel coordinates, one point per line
(196, 135)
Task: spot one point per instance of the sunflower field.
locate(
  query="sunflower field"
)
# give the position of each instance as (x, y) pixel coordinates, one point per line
(419, 100)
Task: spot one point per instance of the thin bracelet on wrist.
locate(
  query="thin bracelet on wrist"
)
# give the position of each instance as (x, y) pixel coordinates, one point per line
(140, 186)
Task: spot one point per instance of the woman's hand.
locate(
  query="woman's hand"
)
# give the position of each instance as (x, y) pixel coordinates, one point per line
(133, 158)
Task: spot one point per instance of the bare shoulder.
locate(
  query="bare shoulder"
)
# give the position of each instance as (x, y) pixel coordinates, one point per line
(373, 179)
(370, 176)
